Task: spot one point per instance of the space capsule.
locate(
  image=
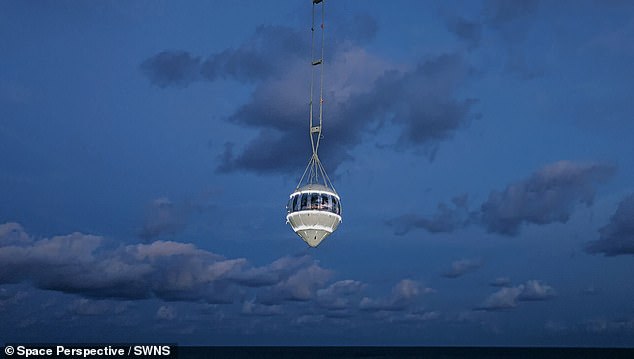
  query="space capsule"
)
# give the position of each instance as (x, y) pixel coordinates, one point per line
(314, 212)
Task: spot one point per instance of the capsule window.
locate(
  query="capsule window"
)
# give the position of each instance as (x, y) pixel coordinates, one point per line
(315, 201)
(304, 202)
(325, 202)
(335, 205)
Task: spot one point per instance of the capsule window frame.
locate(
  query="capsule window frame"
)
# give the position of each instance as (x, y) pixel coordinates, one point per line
(295, 203)
(303, 201)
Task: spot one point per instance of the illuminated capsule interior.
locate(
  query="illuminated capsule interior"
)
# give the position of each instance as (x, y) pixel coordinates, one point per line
(314, 212)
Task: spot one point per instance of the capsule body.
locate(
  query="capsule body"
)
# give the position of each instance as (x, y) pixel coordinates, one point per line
(314, 212)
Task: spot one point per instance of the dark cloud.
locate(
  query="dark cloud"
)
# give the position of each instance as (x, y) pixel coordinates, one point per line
(421, 316)
(617, 237)
(512, 21)
(447, 218)
(509, 21)
(466, 30)
(404, 295)
(462, 267)
(508, 297)
(11, 297)
(267, 53)
(256, 59)
(172, 68)
(500, 12)
(549, 195)
(361, 92)
(96, 268)
(421, 101)
(90, 307)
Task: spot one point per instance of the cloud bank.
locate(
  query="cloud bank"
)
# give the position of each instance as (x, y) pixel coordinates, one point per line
(95, 267)
(509, 297)
(550, 195)
(404, 295)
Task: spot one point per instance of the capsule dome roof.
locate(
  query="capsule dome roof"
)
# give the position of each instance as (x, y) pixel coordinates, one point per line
(316, 187)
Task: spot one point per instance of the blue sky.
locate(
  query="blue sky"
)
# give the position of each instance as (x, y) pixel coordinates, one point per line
(482, 151)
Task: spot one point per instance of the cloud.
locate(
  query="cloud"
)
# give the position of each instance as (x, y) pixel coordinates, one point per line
(602, 325)
(422, 316)
(505, 298)
(250, 307)
(309, 319)
(362, 92)
(555, 326)
(462, 267)
(510, 21)
(466, 30)
(256, 59)
(172, 68)
(534, 290)
(501, 282)
(500, 12)
(89, 307)
(404, 294)
(508, 297)
(166, 312)
(300, 286)
(97, 268)
(272, 273)
(13, 233)
(446, 220)
(165, 217)
(265, 54)
(9, 298)
(617, 237)
(548, 196)
(337, 295)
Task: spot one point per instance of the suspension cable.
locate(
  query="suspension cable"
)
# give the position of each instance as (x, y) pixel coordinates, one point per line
(315, 172)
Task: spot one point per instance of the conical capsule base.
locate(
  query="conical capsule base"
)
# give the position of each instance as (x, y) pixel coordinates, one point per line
(313, 237)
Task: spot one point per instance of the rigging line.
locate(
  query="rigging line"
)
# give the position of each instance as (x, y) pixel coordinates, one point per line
(304, 175)
(321, 76)
(312, 78)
